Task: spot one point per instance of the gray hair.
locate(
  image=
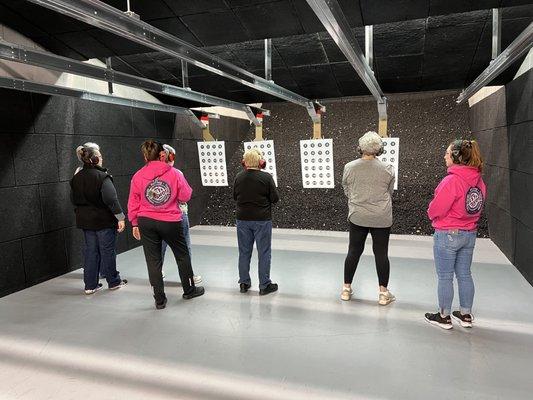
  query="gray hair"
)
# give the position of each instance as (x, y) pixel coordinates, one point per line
(169, 149)
(90, 145)
(370, 143)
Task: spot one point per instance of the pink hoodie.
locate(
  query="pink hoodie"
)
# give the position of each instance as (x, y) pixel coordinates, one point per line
(458, 199)
(156, 191)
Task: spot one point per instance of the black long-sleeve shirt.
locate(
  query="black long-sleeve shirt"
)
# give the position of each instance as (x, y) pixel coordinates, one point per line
(255, 192)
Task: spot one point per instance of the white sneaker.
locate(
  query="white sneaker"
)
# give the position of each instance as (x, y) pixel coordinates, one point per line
(386, 298)
(346, 294)
(197, 279)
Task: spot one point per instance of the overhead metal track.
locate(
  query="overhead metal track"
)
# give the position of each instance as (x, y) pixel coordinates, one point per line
(103, 16)
(515, 50)
(12, 52)
(330, 14)
(369, 45)
(35, 87)
(496, 32)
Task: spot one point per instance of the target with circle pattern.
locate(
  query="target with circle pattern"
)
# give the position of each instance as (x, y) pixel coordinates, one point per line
(212, 156)
(317, 163)
(267, 148)
(391, 154)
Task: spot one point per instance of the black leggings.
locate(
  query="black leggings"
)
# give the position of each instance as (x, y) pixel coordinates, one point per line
(380, 246)
(153, 232)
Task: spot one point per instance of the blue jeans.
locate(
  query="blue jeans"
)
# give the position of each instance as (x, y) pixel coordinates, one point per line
(100, 253)
(261, 233)
(185, 225)
(453, 254)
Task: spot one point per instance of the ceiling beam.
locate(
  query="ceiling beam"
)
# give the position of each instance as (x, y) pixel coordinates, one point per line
(330, 14)
(515, 50)
(17, 53)
(54, 90)
(103, 16)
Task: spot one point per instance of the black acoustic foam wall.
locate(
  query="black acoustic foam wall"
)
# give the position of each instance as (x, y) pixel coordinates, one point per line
(38, 136)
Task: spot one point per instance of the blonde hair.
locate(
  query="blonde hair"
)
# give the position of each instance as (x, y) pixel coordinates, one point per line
(252, 158)
(370, 143)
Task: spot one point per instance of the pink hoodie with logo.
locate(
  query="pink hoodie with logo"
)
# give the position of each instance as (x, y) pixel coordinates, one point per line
(458, 199)
(156, 191)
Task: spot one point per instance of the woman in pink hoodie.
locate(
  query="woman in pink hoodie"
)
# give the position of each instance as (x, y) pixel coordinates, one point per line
(454, 213)
(153, 210)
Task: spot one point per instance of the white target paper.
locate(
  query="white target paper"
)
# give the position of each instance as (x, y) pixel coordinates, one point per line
(267, 148)
(391, 154)
(317, 163)
(212, 156)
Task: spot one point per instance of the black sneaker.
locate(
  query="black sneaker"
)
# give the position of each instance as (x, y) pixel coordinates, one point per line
(122, 283)
(438, 320)
(464, 319)
(271, 288)
(96, 289)
(244, 287)
(161, 303)
(198, 291)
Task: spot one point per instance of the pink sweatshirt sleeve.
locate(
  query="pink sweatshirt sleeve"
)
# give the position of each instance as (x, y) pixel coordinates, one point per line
(184, 189)
(134, 202)
(445, 195)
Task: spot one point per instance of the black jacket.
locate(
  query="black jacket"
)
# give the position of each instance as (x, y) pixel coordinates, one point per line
(255, 192)
(91, 211)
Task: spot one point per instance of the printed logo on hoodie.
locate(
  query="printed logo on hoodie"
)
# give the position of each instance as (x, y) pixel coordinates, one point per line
(157, 192)
(474, 200)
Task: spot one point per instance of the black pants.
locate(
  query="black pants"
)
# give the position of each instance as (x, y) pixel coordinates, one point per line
(153, 232)
(380, 246)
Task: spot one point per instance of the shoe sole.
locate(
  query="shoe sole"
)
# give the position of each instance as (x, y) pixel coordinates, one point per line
(93, 291)
(386, 303)
(192, 296)
(461, 322)
(244, 290)
(348, 299)
(442, 326)
(160, 306)
(265, 293)
(121, 284)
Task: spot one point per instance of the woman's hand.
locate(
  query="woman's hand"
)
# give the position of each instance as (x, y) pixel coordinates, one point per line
(136, 233)
(121, 226)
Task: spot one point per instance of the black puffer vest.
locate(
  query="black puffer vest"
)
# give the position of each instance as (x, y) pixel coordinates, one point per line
(91, 211)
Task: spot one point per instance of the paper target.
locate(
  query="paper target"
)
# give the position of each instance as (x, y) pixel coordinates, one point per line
(391, 154)
(212, 156)
(267, 148)
(317, 163)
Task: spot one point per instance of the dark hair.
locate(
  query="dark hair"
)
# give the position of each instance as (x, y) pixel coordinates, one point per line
(89, 155)
(467, 152)
(151, 150)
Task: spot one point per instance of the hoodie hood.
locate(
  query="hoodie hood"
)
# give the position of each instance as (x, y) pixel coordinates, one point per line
(470, 175)
(154, 169)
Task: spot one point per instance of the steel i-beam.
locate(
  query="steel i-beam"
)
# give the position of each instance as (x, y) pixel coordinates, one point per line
(54, 90)
(17, 53)
(496, 32)
(103, 16)
(515, 50)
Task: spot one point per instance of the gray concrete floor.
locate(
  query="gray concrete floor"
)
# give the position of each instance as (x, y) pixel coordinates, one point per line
(300, 343)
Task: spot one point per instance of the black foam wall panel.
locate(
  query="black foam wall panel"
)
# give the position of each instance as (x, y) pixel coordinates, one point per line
(503, 124)
(38, 137)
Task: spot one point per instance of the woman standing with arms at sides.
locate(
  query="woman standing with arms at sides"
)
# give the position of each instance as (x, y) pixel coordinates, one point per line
(99, 215)
(368, 183)
(153, 209)
(454, 213)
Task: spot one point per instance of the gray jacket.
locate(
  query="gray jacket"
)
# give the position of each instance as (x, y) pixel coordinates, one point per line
(369, 184)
